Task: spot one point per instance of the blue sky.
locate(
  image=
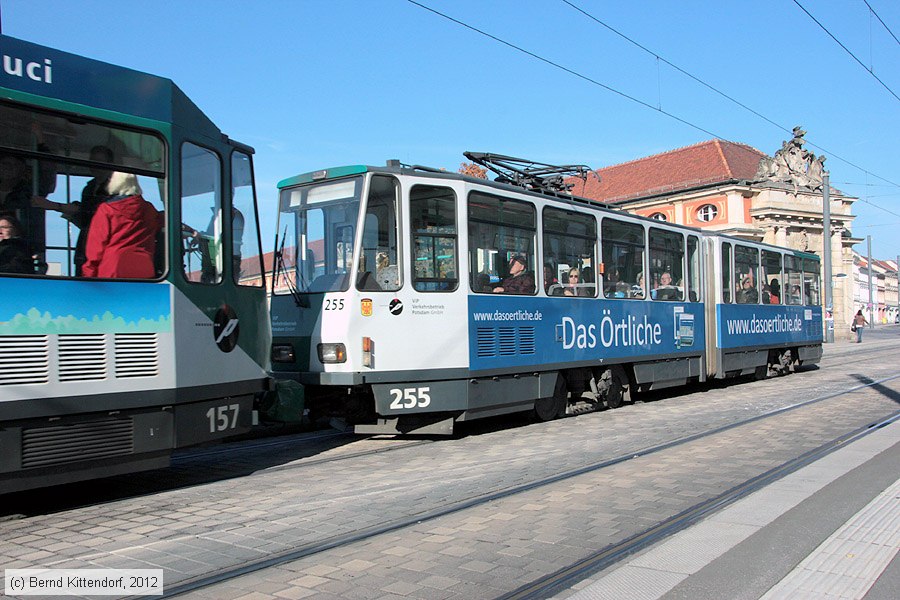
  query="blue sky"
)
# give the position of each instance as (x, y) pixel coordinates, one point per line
(318, 83)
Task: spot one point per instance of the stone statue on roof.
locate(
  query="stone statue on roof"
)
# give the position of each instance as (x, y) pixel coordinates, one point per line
(793, 164)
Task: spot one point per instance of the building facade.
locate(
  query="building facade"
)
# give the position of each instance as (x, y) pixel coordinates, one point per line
(880, 306)
(738, 190)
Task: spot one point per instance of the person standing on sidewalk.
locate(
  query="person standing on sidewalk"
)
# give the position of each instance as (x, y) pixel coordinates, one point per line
(859, 323)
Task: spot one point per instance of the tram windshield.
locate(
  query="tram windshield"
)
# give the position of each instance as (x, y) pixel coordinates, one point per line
(316, 226)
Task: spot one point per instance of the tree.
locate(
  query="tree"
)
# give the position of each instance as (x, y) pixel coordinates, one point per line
(472, 170)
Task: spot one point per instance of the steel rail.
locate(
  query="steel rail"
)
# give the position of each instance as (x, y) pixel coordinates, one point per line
(229, 573)
(566, 577)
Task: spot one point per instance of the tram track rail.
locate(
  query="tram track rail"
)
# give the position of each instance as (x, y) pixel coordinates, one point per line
(193, 455)
(565, 578)
(189, 459)
(268, 443)
(591, 564)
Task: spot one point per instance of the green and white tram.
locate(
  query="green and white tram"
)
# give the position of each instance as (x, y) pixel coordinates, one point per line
(108, 373)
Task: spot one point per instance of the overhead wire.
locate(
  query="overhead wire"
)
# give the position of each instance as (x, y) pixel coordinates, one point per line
(847, 50)
(676, 67)
(637, 100)
(880, 20)
(564, 68)
(720, 92)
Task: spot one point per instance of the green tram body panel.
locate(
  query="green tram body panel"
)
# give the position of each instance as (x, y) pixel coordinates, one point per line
(204, 383)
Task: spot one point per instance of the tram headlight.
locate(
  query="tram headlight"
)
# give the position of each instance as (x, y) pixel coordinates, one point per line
(283, 353)
(332, 353)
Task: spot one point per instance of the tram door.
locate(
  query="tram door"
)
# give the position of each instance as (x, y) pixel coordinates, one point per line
(217, 267)
(437, 292)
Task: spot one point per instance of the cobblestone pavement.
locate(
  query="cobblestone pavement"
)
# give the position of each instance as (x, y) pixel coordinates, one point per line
(480, 552)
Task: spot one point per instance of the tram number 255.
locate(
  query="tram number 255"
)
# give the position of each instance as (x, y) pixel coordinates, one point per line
(222, 418)
(410, 398)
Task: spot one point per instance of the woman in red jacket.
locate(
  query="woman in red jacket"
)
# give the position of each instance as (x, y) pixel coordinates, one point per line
(122, 237)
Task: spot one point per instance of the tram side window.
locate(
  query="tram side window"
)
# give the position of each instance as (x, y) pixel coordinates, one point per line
(726, 273)
(771, 277)
(570, 251)
(811, 281)
(54, 182)
(246, 256)
(693, 264)
(793, 288)
(379, 268)
(666, 265)
(501, 245)
(201, 214)
(433, 224)
(746, 266)
(623, 259)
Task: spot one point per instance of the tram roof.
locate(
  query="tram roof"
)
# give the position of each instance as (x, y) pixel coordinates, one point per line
(96, 84)
(396, 168)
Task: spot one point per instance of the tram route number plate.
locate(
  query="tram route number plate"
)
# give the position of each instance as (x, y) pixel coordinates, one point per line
(213, 419)
(419, 396)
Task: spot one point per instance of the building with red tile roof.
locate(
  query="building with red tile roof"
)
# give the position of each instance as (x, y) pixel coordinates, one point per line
(698, 166)
(735, 189)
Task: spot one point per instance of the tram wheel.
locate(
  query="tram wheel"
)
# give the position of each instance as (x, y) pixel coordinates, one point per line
(761, 372)
(547, 409)
(617, 392)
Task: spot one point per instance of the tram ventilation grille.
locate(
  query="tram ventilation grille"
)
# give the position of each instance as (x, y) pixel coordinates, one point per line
(504, 341)
(526, 340)
(24, 359)
(48, 446)
(486, 340)
(82, 357)
(137, 355)
(507, 339)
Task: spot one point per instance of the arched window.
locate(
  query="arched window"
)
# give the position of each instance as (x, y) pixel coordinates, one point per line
(659, 216)
(707, 213)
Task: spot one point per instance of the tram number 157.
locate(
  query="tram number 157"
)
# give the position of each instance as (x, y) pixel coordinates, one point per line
(222, 418)
(410, 398)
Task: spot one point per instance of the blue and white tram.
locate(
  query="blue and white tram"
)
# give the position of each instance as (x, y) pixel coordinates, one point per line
(763, 308)
(408, 299)
(107, 374)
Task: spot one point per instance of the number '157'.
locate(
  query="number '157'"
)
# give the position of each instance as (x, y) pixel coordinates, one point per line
(222, 418)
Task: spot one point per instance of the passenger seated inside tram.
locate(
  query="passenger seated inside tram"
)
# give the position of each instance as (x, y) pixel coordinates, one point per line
(574, 287)
(747, 294)
(637, 290)
(519, 280)
(664, 290)
(774, 292)
(17, 197)
(16, 255)
(550, 280)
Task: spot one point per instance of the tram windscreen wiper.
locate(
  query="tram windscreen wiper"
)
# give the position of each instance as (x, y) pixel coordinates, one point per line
(300, 300)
